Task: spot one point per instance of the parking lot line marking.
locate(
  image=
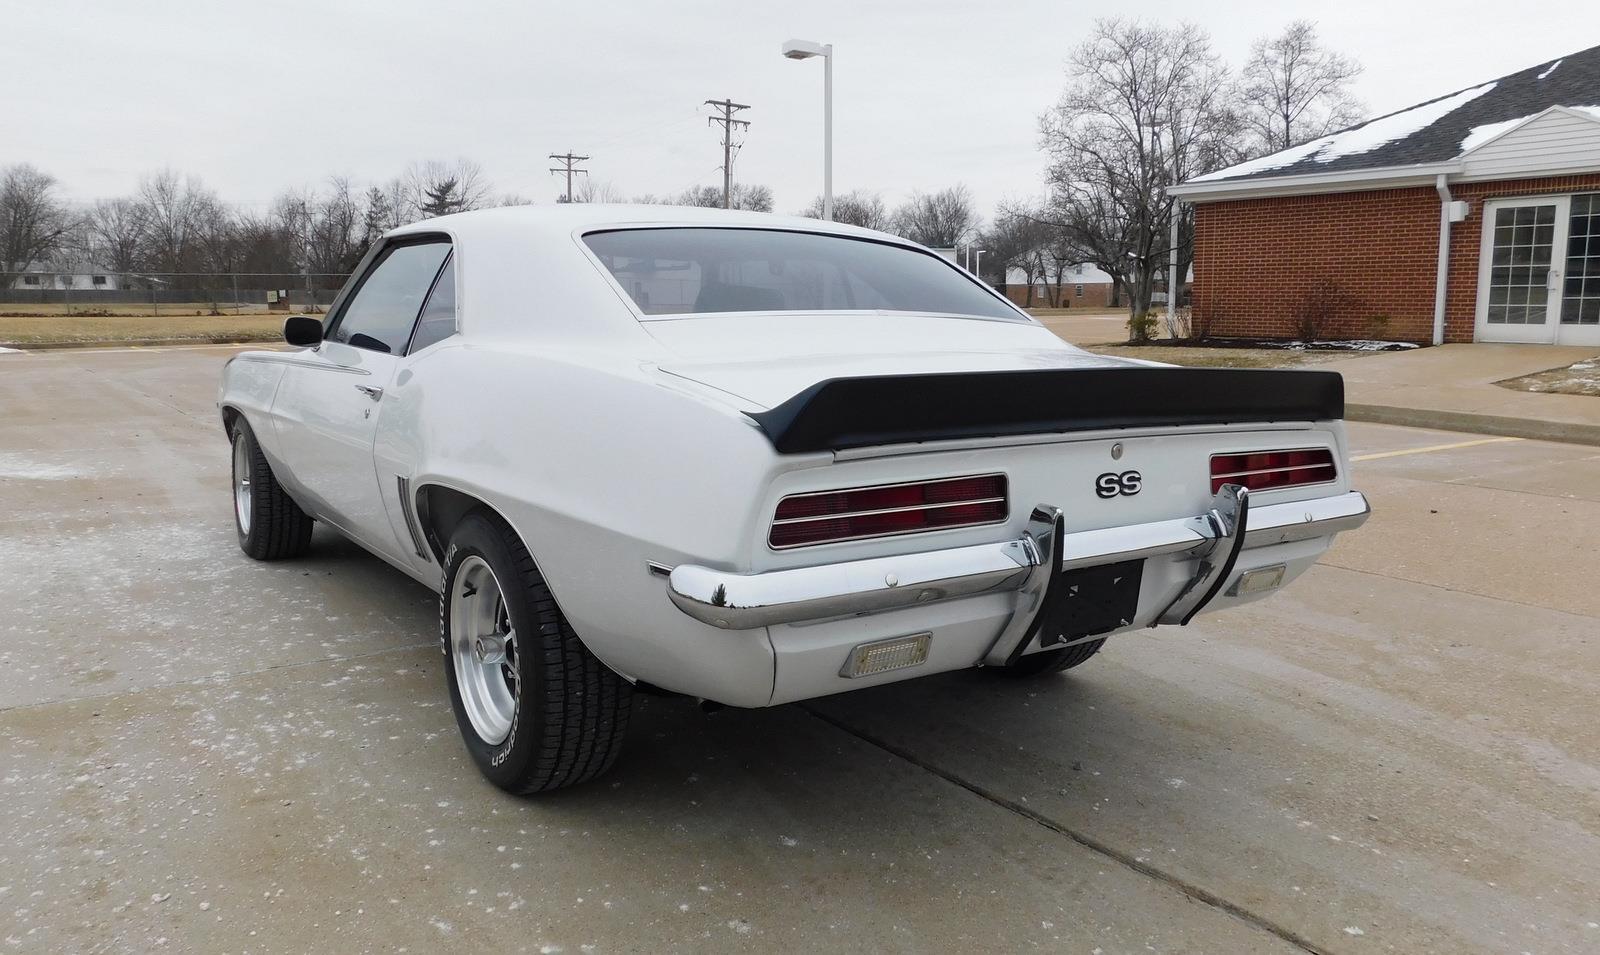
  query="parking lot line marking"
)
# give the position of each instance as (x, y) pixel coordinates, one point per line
(1430, 448)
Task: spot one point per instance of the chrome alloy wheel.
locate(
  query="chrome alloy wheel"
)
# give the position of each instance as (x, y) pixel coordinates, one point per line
(241, 482)
(483, 649)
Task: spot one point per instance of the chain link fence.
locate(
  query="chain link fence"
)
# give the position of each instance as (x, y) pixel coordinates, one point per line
(152, 293)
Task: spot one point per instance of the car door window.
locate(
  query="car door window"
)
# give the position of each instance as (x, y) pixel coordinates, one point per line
(438, 320)
(383, 309)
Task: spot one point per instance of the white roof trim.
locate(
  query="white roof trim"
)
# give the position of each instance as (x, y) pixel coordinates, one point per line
(1348, 180)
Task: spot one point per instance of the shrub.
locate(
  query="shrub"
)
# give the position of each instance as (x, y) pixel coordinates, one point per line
(1320, 307)
(1142, 327)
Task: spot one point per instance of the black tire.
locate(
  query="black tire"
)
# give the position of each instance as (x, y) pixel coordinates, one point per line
(1051, 661)
(572, 712)
(278, 528)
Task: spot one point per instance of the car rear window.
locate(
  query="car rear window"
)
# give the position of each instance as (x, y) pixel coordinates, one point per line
(686, 271)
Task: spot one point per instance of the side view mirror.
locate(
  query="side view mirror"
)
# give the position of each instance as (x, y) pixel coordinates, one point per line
(302, 330)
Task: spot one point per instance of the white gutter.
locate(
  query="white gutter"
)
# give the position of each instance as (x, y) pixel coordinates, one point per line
(1442, 276)
(1348, 180)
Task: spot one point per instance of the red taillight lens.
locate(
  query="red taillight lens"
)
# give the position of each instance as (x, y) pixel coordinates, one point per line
(1267, 470)
(860, 512)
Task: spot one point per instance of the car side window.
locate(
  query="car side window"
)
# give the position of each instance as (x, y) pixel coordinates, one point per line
(384, 307)
(438, 320)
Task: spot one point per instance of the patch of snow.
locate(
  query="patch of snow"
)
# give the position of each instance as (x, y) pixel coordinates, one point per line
(1479, 135)
(1387, 129)
(9, 351)
(1548, 70)
(1592, 111)
(1362, 139)
(1352, 930)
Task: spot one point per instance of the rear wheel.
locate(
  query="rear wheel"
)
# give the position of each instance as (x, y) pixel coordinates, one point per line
(271, 525)
(536, 709)
(1052, 661)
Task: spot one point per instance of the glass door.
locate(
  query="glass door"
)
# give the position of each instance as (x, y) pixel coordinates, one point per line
(1519, 282)
(1580, 289)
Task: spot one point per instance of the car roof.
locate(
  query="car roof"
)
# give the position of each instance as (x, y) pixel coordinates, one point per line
(567, 218)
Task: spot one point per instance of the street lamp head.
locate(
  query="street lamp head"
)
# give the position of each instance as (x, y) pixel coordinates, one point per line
(804, 49)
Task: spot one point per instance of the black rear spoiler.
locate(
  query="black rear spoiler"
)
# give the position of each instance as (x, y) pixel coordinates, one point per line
(899, 409)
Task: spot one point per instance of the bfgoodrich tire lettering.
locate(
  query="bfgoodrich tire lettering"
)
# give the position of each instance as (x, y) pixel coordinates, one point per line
(568, 712)
(270, 524)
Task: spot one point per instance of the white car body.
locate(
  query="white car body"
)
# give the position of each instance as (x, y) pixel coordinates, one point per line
(621, 449)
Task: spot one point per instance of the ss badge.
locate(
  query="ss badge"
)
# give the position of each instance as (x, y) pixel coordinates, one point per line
(1111, 484)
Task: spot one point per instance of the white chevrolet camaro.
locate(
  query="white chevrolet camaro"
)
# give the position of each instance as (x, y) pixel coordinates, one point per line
(754, 459)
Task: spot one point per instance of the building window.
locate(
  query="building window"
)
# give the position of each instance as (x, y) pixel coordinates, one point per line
(1580, 305)
(99, 280)
(30, 280)
(1078, 291)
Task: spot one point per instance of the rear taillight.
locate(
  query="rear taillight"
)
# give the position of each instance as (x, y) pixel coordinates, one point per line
(828, 516)
(1269, 470)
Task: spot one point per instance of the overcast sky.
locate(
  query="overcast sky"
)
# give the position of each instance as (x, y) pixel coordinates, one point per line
(253, 97)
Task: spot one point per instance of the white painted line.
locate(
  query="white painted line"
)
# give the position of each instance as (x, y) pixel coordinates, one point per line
(1430, 448)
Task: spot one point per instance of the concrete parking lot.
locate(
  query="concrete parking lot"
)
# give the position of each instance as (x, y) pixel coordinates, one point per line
(1400, 754)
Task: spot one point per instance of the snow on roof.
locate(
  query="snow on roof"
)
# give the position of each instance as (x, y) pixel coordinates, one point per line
(1439, 130)
(1359, 139)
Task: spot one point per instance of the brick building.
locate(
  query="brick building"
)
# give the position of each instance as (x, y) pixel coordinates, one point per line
(1082, 286)
(1379, 231)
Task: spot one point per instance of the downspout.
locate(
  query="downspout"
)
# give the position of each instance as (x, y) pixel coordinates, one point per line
(1442, 278)
(1172, 269)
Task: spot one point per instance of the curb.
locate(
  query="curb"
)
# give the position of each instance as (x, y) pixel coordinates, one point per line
(136, 343)
(1498, 425)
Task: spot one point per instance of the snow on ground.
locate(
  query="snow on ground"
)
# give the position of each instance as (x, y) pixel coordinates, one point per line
(9, 351)
(1362, 139)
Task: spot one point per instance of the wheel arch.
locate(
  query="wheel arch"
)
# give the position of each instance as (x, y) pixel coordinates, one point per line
(440, 509)
(230, 414)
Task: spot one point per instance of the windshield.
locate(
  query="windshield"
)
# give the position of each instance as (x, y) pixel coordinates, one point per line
(698, 270)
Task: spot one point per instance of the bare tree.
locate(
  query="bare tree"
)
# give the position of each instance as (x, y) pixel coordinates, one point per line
(858, 207)
(597, 190)
(1294, 89)
(1020, 239)
(34, 222)
(1146, 106)
(435, 188)
(114, 234)
(940, 220)
(752, 198)
(175, 211)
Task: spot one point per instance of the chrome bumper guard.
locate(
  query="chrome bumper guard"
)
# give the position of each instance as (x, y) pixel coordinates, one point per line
(1027, 564)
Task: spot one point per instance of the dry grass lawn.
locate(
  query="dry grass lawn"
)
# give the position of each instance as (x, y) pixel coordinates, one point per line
(165, 310)
(1223, 357)
(1581, 378)
(63, 329)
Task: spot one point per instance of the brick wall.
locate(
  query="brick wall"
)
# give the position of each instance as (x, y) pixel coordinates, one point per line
(1255, 259)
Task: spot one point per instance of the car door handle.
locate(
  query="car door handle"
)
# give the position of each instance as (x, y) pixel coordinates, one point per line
(370, 392)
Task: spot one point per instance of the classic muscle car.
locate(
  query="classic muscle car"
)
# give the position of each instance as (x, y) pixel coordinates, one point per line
(754, 459)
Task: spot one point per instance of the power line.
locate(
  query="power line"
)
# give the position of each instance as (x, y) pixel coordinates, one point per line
(569, 168)
(728, 108)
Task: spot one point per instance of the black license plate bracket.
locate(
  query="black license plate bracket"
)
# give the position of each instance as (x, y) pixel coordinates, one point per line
(1086, 601)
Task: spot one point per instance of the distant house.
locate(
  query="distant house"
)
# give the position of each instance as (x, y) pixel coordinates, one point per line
(1082, 286)
(1471, 217)
(53, 277)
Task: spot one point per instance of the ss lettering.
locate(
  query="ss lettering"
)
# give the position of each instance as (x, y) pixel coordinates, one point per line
(1112, 484)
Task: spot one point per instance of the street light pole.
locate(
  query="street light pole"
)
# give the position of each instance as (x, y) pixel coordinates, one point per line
(978, 264)
(803, 50)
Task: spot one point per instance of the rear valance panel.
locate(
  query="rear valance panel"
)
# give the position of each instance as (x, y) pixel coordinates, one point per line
(865, 412)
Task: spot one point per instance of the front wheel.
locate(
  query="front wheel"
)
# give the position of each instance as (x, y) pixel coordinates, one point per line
(271, 525)
(536, 709)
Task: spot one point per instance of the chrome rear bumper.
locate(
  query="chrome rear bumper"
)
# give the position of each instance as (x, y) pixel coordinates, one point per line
(748, 601)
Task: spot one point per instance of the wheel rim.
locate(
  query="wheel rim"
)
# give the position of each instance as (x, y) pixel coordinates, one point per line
(241, 483)
(483, 649)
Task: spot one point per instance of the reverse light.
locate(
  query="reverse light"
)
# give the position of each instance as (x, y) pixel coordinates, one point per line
(1270, 470)
(881, 656)
(825, 517)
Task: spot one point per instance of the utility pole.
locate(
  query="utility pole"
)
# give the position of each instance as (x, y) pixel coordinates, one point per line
(728, 108)
(569, 168)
